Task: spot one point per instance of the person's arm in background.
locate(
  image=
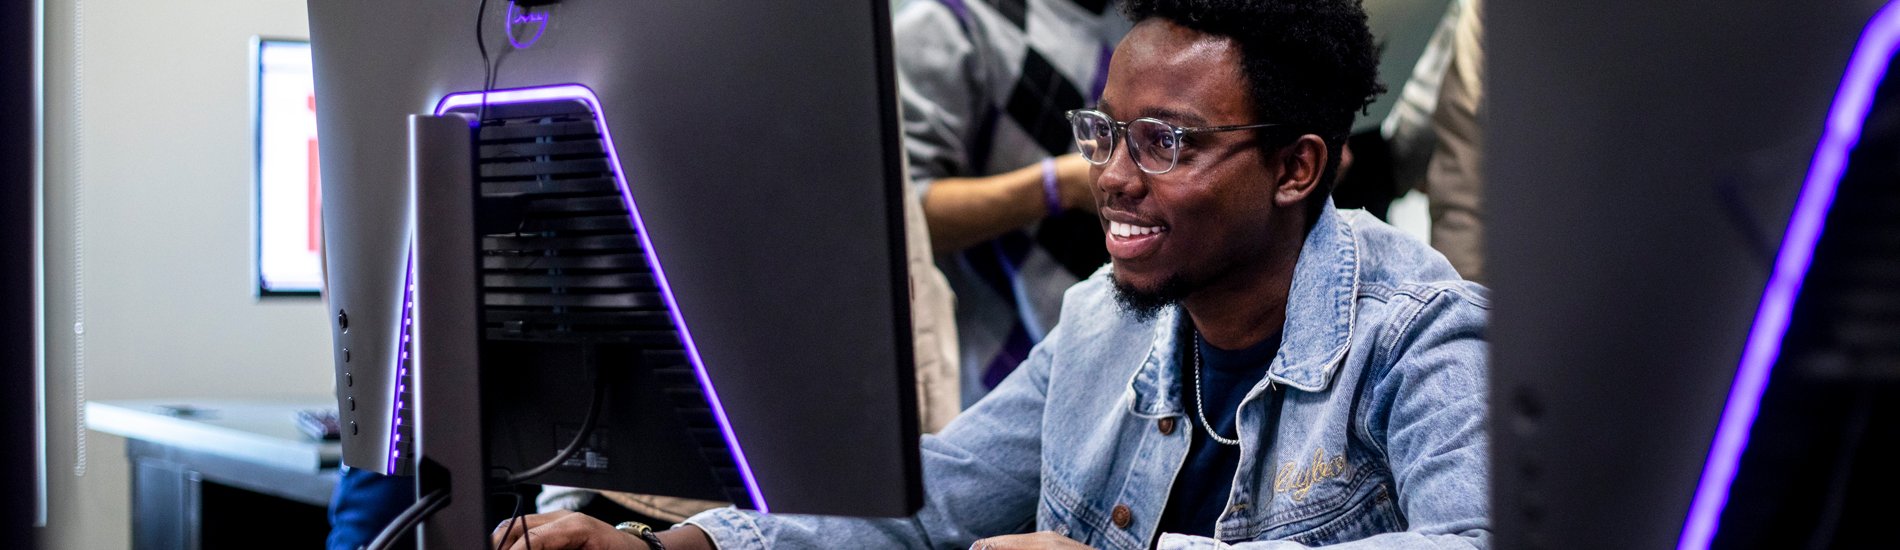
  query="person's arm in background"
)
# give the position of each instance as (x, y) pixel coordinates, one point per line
(1455, 177)
(363, 504)
(964, 212)
(943, 83)
(1435, 139)
(1408, 128)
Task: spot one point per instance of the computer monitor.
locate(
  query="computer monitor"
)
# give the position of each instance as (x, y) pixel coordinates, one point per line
(696, 203)
(287, 200)
(22, 359)
(1694, 256)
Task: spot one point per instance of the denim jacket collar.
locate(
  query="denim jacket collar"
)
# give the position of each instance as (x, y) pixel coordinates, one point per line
(1319, 323)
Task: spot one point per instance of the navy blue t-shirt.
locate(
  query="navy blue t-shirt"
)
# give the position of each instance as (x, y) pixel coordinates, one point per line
(1200, 490)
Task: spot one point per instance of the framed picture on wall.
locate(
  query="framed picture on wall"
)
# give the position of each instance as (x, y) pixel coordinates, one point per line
(287, 220)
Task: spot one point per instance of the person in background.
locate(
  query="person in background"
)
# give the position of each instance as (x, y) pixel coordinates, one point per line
(364, 502)
(984, 85)
(1435, 138)
(1255, 369)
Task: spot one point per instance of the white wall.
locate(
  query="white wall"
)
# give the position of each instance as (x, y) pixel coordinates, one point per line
(148, 115)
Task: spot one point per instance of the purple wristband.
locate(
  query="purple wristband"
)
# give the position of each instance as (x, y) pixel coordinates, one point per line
(1049, 191)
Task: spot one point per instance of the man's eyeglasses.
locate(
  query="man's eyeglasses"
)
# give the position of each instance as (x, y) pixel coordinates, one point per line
(1154, 144)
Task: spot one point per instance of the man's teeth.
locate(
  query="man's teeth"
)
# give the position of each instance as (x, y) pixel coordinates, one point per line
(1120, 229)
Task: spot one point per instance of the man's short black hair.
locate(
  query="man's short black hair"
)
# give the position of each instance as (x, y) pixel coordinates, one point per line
(1310, 64)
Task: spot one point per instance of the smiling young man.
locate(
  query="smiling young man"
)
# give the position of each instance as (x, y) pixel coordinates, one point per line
(1253, 369)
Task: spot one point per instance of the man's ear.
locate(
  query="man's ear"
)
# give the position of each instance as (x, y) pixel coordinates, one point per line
(1301, 165)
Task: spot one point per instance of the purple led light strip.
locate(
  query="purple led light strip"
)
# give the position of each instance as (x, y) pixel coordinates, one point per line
(1851, 103)
(402, 360)
(582, 93)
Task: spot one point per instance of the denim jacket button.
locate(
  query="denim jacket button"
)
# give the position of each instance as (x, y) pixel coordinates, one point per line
(1166, 425)
(1121, 516)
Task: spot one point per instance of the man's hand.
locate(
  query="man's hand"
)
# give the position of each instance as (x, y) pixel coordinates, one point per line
(1032, 541)
(563, 530)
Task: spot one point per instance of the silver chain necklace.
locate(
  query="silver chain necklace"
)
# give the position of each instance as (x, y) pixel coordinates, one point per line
(1200, 405)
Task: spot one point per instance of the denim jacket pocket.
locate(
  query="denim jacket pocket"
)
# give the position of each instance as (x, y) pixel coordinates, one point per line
(1061, 511)
(1361, 509)
(1065, 512)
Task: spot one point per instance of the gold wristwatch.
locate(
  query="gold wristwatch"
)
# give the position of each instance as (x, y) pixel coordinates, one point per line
(641, 530)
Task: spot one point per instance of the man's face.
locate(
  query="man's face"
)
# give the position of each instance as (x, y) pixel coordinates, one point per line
(1208, 219)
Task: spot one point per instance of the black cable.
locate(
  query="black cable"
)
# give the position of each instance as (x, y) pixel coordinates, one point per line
(587, 425)
(512, 516)
(409, 519)
(488, 69)
(481, 11)
(423, 508)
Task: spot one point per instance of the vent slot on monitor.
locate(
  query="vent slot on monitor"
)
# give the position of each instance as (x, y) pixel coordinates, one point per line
(560, 259)
(563, 266)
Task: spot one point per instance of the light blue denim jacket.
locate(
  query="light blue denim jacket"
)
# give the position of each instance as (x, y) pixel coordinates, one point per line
(1369, 429)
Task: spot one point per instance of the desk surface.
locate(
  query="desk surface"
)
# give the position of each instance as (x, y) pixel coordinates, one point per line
(260, 431)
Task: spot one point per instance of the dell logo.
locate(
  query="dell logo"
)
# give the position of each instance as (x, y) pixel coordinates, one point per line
(524, 26)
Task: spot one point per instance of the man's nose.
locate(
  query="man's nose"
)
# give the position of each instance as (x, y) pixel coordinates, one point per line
(1120, 177)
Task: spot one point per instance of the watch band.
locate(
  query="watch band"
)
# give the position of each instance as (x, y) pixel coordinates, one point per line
(1051, 194)
(641, 530)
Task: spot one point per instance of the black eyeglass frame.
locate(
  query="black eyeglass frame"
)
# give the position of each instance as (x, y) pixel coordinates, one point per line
(1121, 131)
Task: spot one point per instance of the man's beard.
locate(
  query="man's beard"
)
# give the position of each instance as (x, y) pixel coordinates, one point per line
(1145, 304)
